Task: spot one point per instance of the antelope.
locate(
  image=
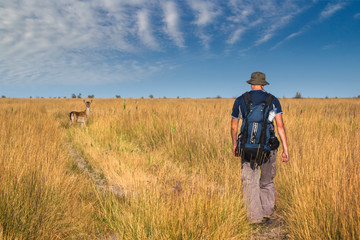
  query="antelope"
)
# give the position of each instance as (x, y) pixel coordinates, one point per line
(81, 117)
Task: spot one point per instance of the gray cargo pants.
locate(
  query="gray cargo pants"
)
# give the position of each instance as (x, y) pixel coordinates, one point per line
(259, 188)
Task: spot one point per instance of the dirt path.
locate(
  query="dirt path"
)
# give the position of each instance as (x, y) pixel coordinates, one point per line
(97, 177)
(274, 229)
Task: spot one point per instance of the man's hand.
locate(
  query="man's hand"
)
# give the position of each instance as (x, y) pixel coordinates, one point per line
(233, 149)
(234, 129)
(282, 134)
(285, 156)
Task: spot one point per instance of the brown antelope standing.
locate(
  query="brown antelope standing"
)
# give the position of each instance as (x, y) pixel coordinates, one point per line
(81, 117)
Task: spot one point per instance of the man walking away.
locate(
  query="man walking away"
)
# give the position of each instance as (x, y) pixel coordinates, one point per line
(255, 145)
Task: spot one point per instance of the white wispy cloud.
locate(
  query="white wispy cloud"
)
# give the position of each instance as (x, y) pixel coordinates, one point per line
(145, 30)
(331, 9)
(326, 13)
(171, 20)
(357, 16)
(205, 39)
(301, 31)
(236, 35)
(205, 14)
(240, 19)
(73, 42)
(268, 17)
(271, 31)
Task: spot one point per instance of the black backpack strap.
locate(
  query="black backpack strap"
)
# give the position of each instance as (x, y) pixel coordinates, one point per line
(245, 133)
(268, 102)
(248, 101)
(247, 97)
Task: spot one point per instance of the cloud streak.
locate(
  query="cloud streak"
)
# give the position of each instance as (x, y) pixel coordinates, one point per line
(330, 10)
(145, 30)
(171, 20)
(264, 17)
(326, 13)
(205, 13)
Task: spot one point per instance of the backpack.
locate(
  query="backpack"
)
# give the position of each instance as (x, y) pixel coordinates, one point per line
(254, 139)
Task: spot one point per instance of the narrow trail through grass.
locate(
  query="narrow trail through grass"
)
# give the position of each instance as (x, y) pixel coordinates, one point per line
(275, 229)
(97, 177)
(150, 177)
(165, 197)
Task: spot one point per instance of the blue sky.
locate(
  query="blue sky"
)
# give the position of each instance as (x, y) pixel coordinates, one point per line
(135, 48)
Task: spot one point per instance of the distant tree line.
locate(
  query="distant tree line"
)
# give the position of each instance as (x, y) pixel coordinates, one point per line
(298, 95)
(79, 95)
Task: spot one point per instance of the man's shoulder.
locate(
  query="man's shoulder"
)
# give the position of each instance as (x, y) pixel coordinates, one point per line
(274, 97)
(239, 98)
(239, 101)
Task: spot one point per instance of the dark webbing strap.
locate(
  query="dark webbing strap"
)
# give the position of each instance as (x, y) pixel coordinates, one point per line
(247, 99)
(268, 102)
(245, 134)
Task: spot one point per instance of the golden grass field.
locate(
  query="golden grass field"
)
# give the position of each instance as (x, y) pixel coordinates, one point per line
(172, 159)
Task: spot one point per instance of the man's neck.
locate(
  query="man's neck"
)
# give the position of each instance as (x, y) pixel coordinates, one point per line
(257, 87)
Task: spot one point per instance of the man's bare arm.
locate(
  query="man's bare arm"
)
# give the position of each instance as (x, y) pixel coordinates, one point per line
(282, 134)
(234, 129)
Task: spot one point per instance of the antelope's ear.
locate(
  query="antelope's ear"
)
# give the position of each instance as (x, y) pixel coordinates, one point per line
(91, 101)
(84, 100)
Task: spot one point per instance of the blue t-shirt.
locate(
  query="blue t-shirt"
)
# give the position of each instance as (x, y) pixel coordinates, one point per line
(239, 107)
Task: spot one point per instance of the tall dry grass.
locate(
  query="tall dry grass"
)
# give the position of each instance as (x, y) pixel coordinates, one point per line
(319, 190)
(40, 196)
(172, 158)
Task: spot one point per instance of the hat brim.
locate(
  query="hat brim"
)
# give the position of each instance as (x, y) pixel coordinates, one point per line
(258, 82)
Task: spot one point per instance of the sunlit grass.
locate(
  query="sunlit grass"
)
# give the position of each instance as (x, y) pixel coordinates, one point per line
(40, 198)
(318, 191)
(173, 161)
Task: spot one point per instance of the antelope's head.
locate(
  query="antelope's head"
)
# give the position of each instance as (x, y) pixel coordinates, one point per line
(87, 103)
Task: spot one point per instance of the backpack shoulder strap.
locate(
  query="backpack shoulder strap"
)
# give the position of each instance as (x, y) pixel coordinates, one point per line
(244, 130)
(247, 98)
(269, 99)
(248, 101)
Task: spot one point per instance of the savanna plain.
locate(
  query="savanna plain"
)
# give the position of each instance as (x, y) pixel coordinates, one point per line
(170, 162)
